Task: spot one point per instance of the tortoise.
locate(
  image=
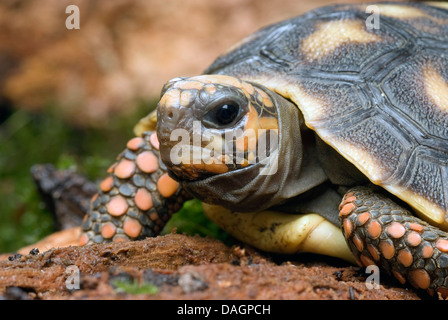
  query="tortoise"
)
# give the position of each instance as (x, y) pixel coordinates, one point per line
(323, 133)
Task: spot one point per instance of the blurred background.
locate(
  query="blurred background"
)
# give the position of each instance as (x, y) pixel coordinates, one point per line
(72, 97)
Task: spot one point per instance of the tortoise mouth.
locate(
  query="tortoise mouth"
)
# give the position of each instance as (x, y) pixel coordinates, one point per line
(187, 162)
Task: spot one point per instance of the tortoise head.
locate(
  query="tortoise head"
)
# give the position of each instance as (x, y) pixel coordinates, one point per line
(219, 137)
(210, 125)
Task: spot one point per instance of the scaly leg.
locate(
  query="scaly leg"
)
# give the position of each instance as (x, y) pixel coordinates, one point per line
(380, 232)
(137, 198)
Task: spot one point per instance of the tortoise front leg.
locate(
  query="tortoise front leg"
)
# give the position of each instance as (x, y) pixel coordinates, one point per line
(137, 198)
(380, 232)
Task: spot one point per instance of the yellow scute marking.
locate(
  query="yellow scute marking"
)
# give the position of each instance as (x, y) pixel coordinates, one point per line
(217, 78)
(331, 35)
(400, 12)
(424, 208)
(313, 108)
(362, 159)
(436, 87)
(171, 98)
(186, 97)
(188, 84)
(443, 5)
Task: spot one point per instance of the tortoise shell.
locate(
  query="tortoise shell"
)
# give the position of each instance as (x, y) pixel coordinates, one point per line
(377, 93)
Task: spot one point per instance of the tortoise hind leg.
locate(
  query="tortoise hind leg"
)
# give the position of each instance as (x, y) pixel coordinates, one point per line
(380, 232)
(136, 199)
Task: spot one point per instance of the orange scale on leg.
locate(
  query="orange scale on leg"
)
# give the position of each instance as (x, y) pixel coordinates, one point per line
(125, 169)
(405, 257)
(359, 244)
(373, 252)
(387, 249)
(108, 230)
(143, 199)
(154, 141)
(347, 199)
(347, 209)
(147, 162)
(420, 278)
(363, 218)
(442, 245)
(107, 184)
(415, 226)
(348, 227)
(135, 143)
(413, 239)
(374, 229)
(350, 199)
(351, 194)
(167, 186)
(117, 206)
(396, 230)
(427, 251)
(83, 239)
(366, 261)
(132, 227)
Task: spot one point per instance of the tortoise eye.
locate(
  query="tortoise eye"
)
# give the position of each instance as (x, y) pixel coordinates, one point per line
(226, 113)
(222, 115)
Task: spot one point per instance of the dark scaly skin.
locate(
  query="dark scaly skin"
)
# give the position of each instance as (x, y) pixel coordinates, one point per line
(380, 232)
(150, 221)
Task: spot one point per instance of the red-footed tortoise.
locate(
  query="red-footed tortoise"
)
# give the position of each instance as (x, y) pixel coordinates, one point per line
(323, 121)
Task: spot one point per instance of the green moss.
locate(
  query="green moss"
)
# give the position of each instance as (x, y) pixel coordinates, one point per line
(191, 220)
(134, 287)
